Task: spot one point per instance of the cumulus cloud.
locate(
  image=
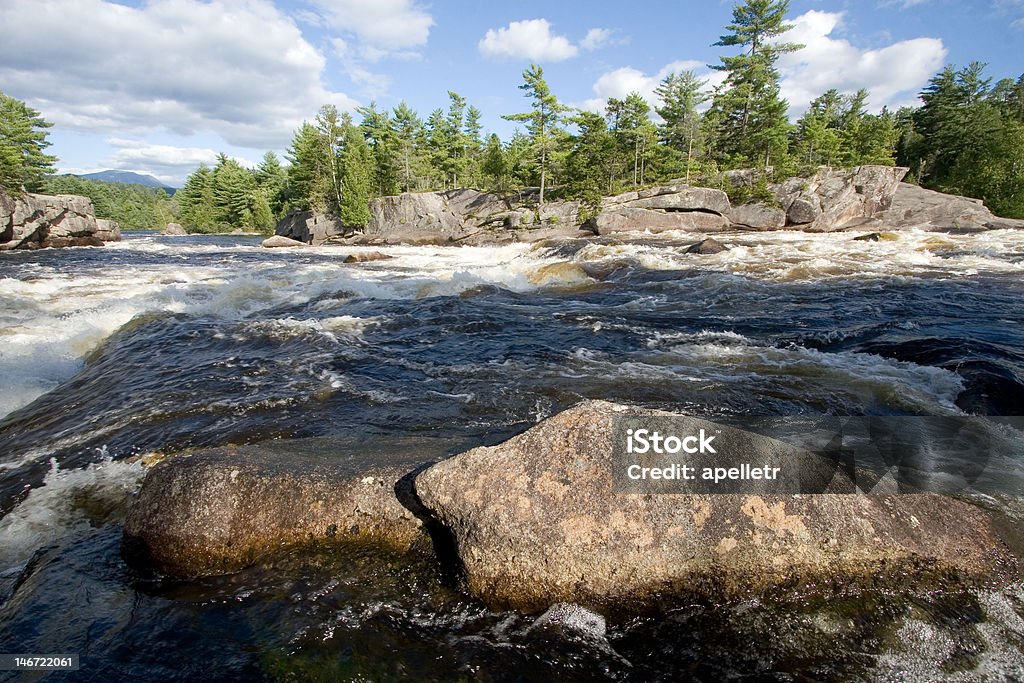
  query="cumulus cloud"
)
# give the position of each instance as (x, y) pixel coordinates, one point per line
(166, 163)
(620, 82)
(381, 26)
(239, 69)
(894, 74)
(530, 39)
(597, 38)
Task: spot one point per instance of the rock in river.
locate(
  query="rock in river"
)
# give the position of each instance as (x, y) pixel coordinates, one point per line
(220, 510)
(537, 520)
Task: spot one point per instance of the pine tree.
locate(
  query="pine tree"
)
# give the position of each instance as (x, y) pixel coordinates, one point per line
(273, 181)
(593, 162)
(495, 163)
(308, 174)
(750, 115)
(542, 121)
(377, 130)
(410, 137)
(195, 200)
(23, 164)
(356, 176)
(680, 94)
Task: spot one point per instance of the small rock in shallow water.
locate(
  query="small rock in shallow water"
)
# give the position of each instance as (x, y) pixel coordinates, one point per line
(708, 246)
(565, 616)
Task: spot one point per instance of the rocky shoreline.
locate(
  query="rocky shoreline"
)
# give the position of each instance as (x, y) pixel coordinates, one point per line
(536, 521)
(37, 221)
(867, 197)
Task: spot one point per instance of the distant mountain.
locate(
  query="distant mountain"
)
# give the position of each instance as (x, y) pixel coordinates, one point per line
(126, 177)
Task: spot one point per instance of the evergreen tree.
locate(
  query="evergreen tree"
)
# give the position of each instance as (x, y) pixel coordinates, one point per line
(750, 115)
(195, 200)
(329, 128)
(629, 121)
(495, 165)
(356, 175)
(273, 182)
(23, 164)
(593, 162)
(474, 144)
(410, 138)
(308, 174)
(542, 121)
(680, 95)
(381, 139)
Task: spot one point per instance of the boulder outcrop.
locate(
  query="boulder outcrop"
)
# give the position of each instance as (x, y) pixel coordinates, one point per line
(107, 230)
(174, 230)
(538, 520)
(33, 221)
(836, 199)
(916, 207)
(220, 510)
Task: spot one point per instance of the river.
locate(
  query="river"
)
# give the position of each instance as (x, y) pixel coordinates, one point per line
(112, 355)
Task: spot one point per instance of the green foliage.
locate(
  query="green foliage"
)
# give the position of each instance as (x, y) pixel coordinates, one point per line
(494, 164)
(357, 171)
(134, 207)
(966, 137)
(230, 196)
(749, 116)
(683, 133)
(759, 192)
(542, 121)
(23, 165)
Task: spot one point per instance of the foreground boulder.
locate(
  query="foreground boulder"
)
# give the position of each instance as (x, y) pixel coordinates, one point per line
(538, 520)
(34, 221)
(221, 510)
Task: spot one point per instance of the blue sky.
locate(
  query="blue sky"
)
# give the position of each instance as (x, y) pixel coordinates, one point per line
(159, 86)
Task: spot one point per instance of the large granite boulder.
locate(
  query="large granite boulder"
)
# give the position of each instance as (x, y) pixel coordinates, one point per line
(107, 230)
(539, 519)
(836, 199)
(680, 198)
(758, 217)
(630, 219)
(174, 230)
(280, 241)
(310, 227)
(220, 510)
(33, 221)
(916, 207)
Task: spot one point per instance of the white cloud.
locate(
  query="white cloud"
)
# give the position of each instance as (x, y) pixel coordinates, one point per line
(620, 82)
(381, 26)
(239, 69)
(373, 84)
(166, 163)
(893, 74)
(530, 39)
(597, 38)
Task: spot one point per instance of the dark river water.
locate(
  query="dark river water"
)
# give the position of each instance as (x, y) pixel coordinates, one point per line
(157, 345)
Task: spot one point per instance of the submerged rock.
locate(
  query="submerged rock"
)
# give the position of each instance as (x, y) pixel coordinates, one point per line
(221, 510)
(568, 618)
(538, 520)
(708, 246)
(366, 256)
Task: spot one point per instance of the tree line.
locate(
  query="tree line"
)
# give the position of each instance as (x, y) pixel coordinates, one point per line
(966, 137)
